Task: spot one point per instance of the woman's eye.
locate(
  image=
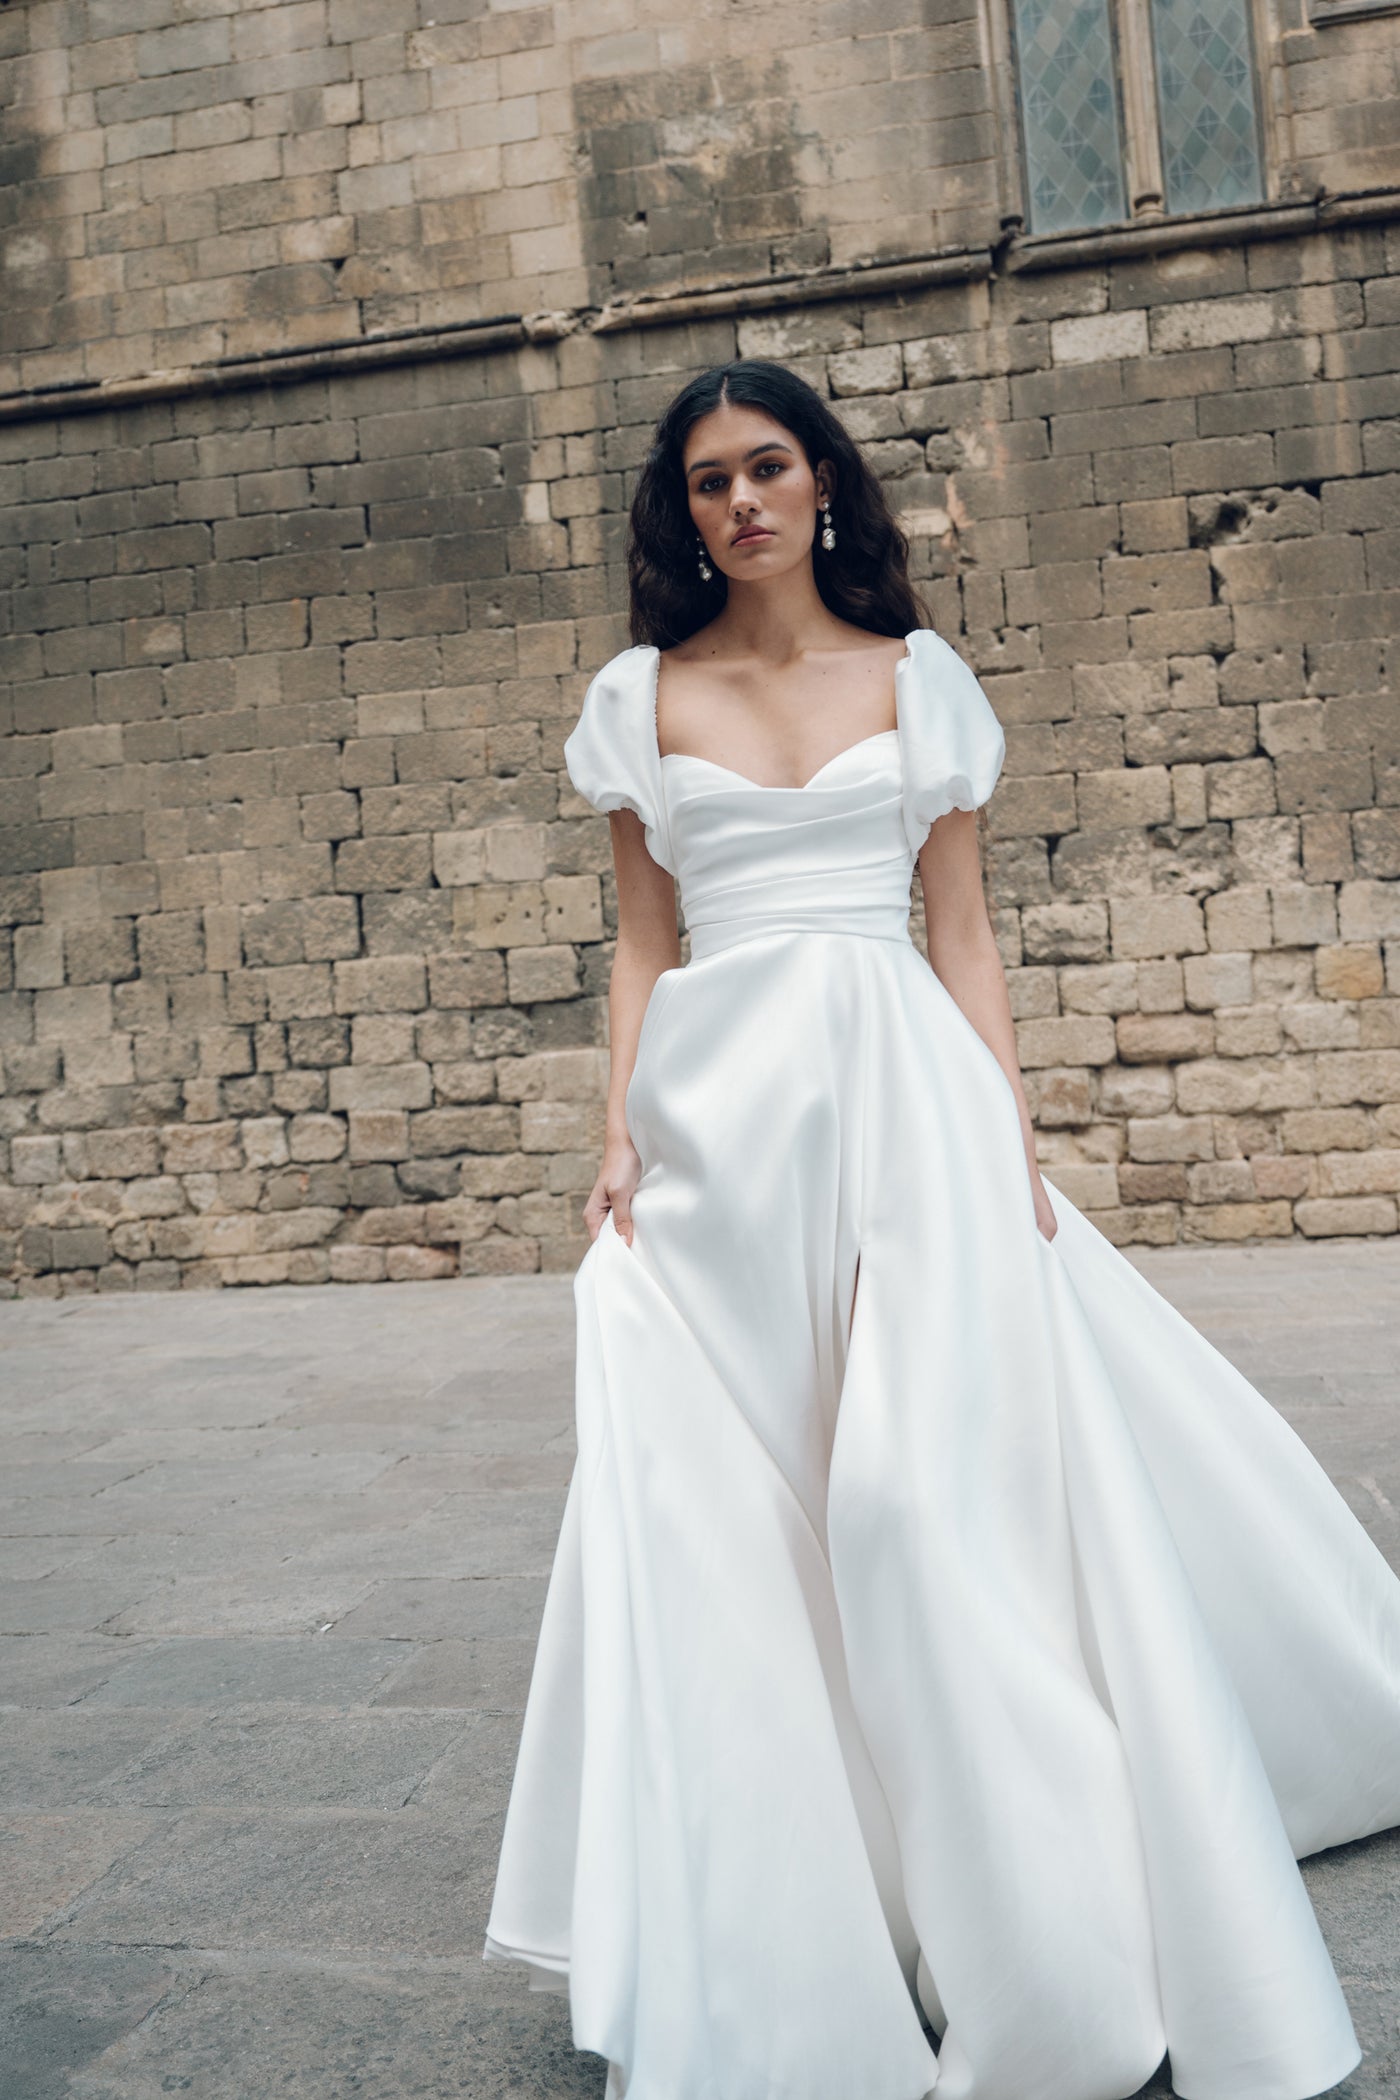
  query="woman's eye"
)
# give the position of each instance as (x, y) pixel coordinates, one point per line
(775, 464)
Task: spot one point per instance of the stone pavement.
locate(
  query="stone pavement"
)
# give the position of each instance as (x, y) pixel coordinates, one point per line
(272, 1566)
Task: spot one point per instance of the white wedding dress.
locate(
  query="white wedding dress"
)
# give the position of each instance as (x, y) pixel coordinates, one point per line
(966, 1635)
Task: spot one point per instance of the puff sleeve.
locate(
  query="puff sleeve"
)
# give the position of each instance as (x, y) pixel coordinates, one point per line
(951, 743)
(611, 752)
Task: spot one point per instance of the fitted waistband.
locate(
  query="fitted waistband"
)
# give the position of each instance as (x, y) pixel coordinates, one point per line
(879, 922)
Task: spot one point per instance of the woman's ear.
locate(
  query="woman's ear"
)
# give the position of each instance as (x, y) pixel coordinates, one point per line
(826, 483)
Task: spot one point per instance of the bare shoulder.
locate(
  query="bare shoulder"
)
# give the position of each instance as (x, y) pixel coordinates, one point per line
(880, 648)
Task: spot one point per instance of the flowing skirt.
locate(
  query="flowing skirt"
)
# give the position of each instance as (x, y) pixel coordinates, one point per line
(941, 1633)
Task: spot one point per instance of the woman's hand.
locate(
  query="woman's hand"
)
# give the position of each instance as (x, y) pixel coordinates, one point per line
(1044, 1211)
(612, 1191)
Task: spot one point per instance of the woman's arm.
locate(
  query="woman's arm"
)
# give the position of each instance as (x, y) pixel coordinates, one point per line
(647, 944)
(963, 951)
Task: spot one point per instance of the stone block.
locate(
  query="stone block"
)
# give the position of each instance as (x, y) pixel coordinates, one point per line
(72, 1013)
(1239, 1221)
(1091, 339)
(459, 858)
(38, 957)
(1157, 926)
(171, 945)
(1152, 1184)
(1072, 1039)
(1369, 911)
(35, 1160)
(1376, 836)
(544, 973)
(1324, 780)
(1033, 807)
(1218, 980)
(351, 1264)
(1032, 993)
(385, 863)
(1353, 971)
(1152, 1039)
(1220, 1181)
(1324, 1130)
(382, 1039)
(419, 1264)
(265, 1141)
(122, 1154)
(1320, 1025)
(379, 1134)
(1353, 1173)
(1245, 789)
(1304, 914)
(1366, 1077)
(1158, 1139)
(1065, 933)
(1329, 1217)
(1132, 795)
(1091, 1186)
(383, 984)
(80, 1247)
(1097, 988)
(365, 1087)
(1240, 920)
(573, 909)
(201, 1148)
(441, 1132)
(558, 1126)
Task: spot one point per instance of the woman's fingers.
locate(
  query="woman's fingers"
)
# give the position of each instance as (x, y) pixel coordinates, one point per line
(612, 1191)
(596, 1208)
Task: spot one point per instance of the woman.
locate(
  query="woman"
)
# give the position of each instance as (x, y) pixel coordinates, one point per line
(943, 1640)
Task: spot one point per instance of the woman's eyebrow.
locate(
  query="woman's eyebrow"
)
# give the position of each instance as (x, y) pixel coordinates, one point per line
(773, 445)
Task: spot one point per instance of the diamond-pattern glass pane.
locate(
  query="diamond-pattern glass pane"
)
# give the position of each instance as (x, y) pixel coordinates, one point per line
(1069, 114)
(1205, 95)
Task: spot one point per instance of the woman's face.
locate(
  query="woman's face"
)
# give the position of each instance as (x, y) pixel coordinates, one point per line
(753, 493)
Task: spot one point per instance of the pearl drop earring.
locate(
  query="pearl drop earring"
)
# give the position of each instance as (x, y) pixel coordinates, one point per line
(706, 572)
(828, 530)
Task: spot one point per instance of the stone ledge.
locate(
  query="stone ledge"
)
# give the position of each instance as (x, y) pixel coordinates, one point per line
(1019, 256)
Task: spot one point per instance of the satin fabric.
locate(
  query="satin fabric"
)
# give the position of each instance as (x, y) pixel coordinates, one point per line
(942, 1635)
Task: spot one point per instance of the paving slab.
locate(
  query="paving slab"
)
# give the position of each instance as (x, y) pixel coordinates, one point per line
(324, 2034)
(276, 1561)
(489, 1674)
(337, 1882)
(247, 1672)
(378, 1761)
(62, 2008)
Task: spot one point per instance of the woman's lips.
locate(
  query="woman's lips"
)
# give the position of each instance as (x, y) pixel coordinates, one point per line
(749, 538)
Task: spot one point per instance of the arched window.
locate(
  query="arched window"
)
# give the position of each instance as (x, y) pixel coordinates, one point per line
(1133, 108)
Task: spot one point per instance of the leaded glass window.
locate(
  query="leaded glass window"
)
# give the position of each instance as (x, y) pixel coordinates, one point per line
(1069, 113)
(1205, 100)
(1100, 146)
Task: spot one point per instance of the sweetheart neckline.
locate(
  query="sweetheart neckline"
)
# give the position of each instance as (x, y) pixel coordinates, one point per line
(764, 787)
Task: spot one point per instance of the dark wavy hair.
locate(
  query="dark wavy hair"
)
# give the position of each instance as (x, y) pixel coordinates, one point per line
(866, 579)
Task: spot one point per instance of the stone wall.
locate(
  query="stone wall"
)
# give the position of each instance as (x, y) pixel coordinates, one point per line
(331, 333)
(216, 181)
(189, 182)
(309, 935)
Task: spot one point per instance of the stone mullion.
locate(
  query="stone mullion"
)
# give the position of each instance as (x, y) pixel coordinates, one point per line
(1138, 82)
